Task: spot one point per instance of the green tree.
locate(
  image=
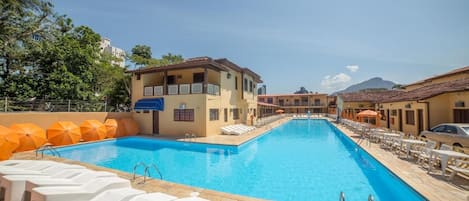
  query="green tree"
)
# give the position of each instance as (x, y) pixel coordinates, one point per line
(141, 55)
(21, 22)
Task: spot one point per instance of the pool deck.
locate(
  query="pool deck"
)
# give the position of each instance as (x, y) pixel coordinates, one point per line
(433, 186)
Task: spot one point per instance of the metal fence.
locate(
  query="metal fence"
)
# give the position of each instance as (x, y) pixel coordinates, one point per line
(10, 104)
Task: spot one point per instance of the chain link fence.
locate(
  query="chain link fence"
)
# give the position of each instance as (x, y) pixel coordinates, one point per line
(11, 104)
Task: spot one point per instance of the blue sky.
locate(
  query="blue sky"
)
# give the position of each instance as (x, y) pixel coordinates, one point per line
(321, 45)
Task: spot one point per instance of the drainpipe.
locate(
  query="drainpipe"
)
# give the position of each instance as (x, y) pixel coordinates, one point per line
(427, 106)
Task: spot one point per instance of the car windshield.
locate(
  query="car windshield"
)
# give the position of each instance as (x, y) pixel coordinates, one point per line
(466, 129)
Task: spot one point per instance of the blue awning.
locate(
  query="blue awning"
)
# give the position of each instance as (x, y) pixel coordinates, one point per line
(150, 104)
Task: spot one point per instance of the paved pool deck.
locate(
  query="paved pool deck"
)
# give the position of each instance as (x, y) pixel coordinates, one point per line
(431, 185)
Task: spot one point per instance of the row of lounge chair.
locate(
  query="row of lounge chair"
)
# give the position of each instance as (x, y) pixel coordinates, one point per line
(237, 129)
(395, 142)
(35, 180)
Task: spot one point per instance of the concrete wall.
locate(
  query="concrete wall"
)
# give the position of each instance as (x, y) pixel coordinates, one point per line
(46, 119)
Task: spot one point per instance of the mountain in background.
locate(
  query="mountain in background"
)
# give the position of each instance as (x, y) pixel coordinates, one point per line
(373, 83)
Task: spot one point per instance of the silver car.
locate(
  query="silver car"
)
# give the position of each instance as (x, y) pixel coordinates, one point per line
(455, 134)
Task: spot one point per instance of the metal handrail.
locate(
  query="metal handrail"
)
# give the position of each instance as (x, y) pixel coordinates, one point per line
(135, 169)
(146, 171)
(342, 196)
(49, 148)
(156, 169)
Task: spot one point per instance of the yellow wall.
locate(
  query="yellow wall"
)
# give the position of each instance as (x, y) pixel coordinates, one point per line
(440, 111)
(229, 98)
(46, 119)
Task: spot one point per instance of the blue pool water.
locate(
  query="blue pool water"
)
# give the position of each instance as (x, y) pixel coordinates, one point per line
(300, 160)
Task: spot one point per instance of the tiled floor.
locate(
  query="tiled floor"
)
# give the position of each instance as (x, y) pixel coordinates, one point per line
(432, 186)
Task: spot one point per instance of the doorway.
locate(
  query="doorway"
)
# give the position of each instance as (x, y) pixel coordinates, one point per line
(156, 122)
(420, 120)
(400, 119)
(388, 119)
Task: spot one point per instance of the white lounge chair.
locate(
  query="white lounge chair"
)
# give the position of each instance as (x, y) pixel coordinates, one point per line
(13, 186)
(16, 185)
(118, 194)
(83, 192)
(154, 197)
(39, 169)
(15, 163)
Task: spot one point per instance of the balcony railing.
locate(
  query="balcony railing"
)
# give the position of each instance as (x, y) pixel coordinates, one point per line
(303, 104)
(181, 89)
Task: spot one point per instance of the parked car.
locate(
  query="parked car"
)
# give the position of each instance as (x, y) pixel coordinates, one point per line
(455, 134)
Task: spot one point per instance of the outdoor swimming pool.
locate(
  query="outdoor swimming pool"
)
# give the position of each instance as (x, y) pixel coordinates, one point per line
(300, 160)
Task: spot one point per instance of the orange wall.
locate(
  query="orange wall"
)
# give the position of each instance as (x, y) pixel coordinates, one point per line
(46, 119)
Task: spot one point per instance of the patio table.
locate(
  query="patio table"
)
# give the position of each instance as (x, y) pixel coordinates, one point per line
(409, 143)
(445, 155)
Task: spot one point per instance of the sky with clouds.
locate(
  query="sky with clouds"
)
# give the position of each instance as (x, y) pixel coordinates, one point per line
(324, 46)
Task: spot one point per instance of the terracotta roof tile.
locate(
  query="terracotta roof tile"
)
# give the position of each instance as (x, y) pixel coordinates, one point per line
(432, 90)
(455, 71)
(374, 97)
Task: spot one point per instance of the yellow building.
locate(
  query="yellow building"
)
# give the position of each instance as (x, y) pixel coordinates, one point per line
(350, 104)
(197, 96)
(298, 103)
(425, 107)
(455, 74)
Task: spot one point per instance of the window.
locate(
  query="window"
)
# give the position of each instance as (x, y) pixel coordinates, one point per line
(245, 84)
(317, 102)
(270, 100)
(451, 129)
(297, 102)
(461, 115)
(213, 114)
(393, 112)
(250, 85)
(235, 114)
(440, 129)
(261, 99)
(236, 82)
(183, 114)
(171, 80)
(409, 117)
(280, 102)
(198, 77)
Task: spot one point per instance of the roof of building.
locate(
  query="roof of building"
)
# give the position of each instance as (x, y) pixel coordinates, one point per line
(276, 95)
(370, 96)
(429, 91)
(217, 64)
(455, 71)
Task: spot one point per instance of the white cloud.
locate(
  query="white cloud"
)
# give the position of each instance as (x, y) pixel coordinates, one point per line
(352, 68)
(335, 82)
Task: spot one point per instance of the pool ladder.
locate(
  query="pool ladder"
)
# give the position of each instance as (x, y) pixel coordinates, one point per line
(342, 197)
(190, 137)
(47, 147)
(146, 171)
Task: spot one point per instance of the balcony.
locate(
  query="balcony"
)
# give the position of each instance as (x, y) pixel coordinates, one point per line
(302, 105)
(181, 89)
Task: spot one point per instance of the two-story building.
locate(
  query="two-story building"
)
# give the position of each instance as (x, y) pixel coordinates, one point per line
(197, 96)
(298, 103)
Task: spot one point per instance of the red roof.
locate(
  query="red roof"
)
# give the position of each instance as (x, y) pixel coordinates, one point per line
(375, 96)
(431, 91)
(455, 71)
